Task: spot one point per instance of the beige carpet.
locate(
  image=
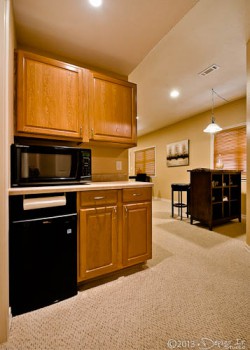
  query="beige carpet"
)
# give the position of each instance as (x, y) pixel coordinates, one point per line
(193, 294)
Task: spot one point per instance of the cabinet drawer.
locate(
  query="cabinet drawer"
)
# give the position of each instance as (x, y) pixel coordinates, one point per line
(137, 194)
(94, 198)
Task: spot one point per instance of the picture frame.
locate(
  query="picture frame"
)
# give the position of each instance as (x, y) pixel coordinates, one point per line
(178, 153)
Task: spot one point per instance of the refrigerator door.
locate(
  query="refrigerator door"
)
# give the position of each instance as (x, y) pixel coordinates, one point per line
(42, 262)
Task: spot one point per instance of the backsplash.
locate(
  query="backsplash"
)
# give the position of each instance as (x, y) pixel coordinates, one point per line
(109, 164)
(109, 177)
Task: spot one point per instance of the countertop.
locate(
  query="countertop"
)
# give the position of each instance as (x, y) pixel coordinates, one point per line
(13, 191)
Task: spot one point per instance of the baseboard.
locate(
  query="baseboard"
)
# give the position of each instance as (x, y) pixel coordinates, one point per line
(247, 248)
(162, 199)
(10, 317)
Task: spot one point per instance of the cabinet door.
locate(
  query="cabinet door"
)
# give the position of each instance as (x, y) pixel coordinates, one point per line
(112, 110)
(50, 100)
(97, 249)
(137, 233)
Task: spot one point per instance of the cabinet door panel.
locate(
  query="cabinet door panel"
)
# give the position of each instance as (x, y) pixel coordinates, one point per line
(112, 109)
(50, 97)
(97, 241)
(137, 233)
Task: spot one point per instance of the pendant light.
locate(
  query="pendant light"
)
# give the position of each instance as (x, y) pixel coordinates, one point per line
(212, 127)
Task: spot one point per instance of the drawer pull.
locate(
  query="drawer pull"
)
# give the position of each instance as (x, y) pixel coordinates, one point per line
(98, 198)
(136, 194)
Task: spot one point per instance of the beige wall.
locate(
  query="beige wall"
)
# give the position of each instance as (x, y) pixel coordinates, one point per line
(6, 114)
(104, 164)
(248, 141)
(231, 114)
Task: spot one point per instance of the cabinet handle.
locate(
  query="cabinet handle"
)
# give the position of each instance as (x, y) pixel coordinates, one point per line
(80, 130)
(98, 198)
(92, 132)
(136, 194)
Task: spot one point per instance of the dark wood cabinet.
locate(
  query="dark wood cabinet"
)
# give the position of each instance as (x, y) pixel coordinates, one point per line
(215, 196)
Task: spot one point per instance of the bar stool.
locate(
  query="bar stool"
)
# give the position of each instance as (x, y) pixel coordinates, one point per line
(180, 188)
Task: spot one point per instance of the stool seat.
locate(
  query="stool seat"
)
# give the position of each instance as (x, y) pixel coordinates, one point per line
(180, 187)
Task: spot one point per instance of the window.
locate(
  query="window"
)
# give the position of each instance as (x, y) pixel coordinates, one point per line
(145, 161)
(231, 145)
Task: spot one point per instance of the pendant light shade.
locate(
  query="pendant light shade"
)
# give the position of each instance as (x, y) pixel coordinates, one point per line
(212, 127)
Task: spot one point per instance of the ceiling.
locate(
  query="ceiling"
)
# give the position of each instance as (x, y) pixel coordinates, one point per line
(158, 44)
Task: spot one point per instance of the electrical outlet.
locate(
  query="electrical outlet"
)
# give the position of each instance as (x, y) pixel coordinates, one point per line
(118, 165)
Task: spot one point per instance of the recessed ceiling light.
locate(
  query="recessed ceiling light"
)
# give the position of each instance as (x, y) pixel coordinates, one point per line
(174, 93)
(95, 3)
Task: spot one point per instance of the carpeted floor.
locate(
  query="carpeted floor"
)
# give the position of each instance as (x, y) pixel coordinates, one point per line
(193, 294)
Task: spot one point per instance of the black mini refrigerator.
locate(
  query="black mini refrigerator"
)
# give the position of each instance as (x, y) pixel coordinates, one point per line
(42, 250)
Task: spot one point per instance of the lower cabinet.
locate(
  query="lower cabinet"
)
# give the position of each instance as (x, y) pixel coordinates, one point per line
(137, 226)
(114, 230)
(98, 241)
(97, 233)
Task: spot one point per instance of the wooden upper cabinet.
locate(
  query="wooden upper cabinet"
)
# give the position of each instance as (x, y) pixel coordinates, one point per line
(50, 98)
(112, 110)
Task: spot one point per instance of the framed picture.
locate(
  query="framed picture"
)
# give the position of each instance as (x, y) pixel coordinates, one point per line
(178, 153)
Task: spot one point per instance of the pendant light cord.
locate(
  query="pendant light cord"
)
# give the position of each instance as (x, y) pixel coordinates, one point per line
(216, 93)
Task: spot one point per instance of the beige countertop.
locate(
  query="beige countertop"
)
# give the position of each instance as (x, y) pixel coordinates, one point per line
(75, 188)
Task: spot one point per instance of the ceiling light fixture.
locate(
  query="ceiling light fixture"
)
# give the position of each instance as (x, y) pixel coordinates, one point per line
(95, 3)
(174, 93)
(213, 127)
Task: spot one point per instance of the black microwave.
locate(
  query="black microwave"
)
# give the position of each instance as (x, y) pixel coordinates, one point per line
(35, 165)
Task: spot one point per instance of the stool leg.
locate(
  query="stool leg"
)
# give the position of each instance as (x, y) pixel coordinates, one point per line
(179, 198)
(181, 205)
(188, 202)
(172, 203)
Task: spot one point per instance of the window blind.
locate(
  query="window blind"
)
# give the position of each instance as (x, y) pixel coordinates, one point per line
(145, 161)
(231, 145)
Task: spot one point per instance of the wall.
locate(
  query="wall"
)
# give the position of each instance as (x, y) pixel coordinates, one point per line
(200, 146)
(248, 141)
(7, 40)
(104, 164)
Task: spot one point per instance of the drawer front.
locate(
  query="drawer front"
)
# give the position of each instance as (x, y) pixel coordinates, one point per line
(137, 194)
(94, 198)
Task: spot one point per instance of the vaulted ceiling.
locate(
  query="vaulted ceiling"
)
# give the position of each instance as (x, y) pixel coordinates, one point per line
(158, 44)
